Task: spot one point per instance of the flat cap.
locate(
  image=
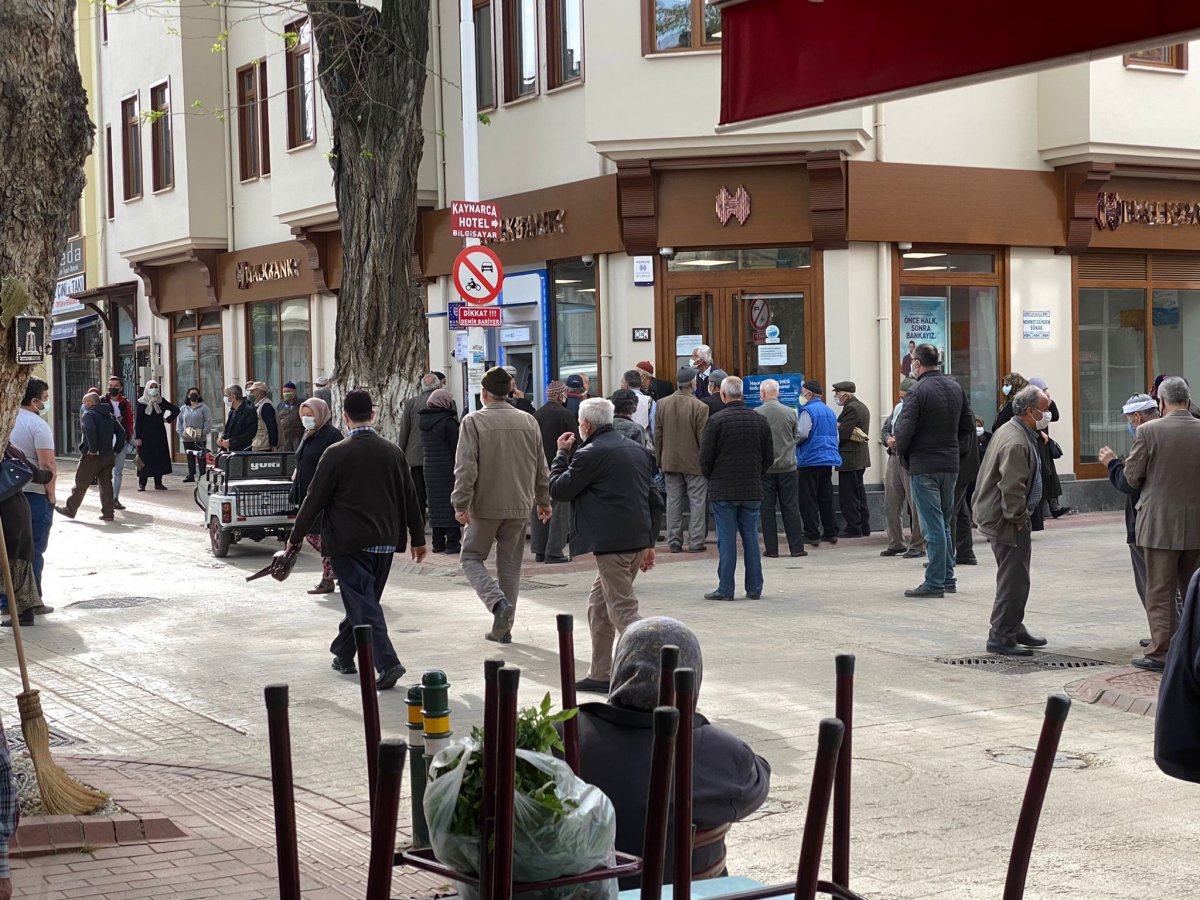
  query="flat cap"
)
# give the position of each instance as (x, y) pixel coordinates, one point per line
(847, 386)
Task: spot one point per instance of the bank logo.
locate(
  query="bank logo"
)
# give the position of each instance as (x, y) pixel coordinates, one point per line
(733, 206)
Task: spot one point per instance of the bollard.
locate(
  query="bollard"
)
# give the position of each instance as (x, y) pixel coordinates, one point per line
(435, 710)
(844, 712)
(286, 852)
(566, 673)
(416, 766)
(487, 815)
(390, 766)
(370, 705)
(684, 832)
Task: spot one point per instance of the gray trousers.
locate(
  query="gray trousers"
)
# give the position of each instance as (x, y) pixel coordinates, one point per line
(509, 537)
(897, 497)
(1012, 587)
(551, 538)
(695, 487)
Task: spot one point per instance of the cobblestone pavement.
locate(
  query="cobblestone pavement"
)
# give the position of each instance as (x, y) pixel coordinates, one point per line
(178, 680)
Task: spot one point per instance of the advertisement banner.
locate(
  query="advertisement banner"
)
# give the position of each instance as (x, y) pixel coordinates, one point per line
(923, 321)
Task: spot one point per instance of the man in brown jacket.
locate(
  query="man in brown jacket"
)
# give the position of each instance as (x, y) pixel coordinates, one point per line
(1163, 463)
(1008, 490)
(679, 421)
(500, 474)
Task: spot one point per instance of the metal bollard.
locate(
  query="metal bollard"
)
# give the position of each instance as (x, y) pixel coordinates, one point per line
(435, 710)
(416, 766)
(286, 851)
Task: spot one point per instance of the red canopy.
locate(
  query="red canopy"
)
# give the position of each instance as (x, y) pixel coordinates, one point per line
(785, 57)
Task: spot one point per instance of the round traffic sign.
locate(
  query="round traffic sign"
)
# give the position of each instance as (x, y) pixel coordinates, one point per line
(478, 275)
(759, 312)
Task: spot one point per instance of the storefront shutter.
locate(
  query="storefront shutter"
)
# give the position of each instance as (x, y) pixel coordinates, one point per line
(1171, 267)
(1113, 266)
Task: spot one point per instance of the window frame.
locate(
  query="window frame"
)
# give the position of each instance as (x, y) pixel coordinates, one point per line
(1177, 59)
(248, 331)
(264, 121)
(491, 74)
(194, 334)
(511, 62)
(552, 317)
(292, 54)
(131, 136)
(162, 136)
(650, 32)
(109, 186)
(248, 115)
(555, 49)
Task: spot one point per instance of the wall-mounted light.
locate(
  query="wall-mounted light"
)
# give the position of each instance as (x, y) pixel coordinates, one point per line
(666, 252)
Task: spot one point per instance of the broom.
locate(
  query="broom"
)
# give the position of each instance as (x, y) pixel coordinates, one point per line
(61, 794)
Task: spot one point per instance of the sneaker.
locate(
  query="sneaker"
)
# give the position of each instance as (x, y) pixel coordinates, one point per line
(117, 505)
(387, 679)
(891, 552)
(345, 666)
(676, 548)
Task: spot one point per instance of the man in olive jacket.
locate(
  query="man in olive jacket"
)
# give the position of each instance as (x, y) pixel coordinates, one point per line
(1008, 490)
(679, 421)
(856, 459)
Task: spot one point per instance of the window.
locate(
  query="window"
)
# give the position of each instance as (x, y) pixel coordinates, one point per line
(485, 56)
(74, 226)
(161, 146)
(111, 208)
(279, 344)
(196, 346)
(576, 322)
(254, 152)
(564, 41)
(131, 147)
(520, 49)
(1172, 56)
(301, 89)
(104, 23)
(669, 25)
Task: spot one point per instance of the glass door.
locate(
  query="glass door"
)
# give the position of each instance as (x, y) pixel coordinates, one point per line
(693, 315)
(771, 327)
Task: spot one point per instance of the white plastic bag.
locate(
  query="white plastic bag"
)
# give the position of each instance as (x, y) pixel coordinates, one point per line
(544, 845)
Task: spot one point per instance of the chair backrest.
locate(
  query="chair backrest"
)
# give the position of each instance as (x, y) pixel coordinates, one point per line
(662, 758)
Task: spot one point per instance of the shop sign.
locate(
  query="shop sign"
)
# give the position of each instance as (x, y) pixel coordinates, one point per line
(539, 224)
(474, 220)
(1112, 212)
(1035, 324)
(30, 333)
(71, 261)
(481, 316)
(733, 206)
(643, 271)
(250, 274)
(63, 301)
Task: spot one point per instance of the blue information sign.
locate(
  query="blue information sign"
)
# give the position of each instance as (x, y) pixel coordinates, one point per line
(789, 388)
(452, 315)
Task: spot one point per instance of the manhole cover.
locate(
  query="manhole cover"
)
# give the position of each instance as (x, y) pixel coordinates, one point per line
(114, 602)
(16, 740)
(1018, 665)
(1022, 757)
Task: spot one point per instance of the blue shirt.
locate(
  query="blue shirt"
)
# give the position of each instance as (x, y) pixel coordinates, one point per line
(387, 549)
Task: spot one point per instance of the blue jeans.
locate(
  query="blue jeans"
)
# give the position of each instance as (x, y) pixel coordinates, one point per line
(42, 511)
(736, 517)
(933, 495)
(119, 469)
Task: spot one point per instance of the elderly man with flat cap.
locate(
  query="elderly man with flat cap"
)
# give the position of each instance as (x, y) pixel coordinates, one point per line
(656, 388)
(679, 421)
(816, 456)
(854, 428)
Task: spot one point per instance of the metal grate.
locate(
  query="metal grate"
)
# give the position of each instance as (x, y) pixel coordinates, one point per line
(1121, 266)
(114, 602)
(1020, 665)
(16, 740)
(264, 503)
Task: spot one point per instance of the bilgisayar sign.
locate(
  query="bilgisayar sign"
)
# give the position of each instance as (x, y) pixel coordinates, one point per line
(474, 220)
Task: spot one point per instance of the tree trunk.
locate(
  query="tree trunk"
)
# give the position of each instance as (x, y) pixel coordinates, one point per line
(371, 64)
(45, 136)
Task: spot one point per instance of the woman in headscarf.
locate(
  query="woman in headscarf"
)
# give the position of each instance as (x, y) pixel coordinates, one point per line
(319, 434)
(1010, 387)
(730, 781)
(154, 411)
(439, 442)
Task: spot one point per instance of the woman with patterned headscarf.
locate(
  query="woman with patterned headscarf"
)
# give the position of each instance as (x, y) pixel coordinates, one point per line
(729, 780)
(439, 443)
(319, 434)
(1012, 385)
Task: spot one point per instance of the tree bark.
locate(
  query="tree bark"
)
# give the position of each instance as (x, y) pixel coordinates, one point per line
(371, 64)
(45, 136)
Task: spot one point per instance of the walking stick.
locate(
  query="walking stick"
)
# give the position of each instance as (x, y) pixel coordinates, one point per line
(61, 794)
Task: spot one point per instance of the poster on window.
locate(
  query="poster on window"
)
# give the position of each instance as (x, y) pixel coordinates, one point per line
(923, 321)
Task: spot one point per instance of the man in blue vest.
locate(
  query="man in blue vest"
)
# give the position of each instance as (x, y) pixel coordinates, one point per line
(816, 456)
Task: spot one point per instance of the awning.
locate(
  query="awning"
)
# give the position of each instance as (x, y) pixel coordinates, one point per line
(61, 331)
(782, 58)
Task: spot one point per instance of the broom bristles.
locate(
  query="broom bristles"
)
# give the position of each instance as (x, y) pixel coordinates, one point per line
(61, 794)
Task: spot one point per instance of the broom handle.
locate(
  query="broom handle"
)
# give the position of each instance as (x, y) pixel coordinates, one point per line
(13, 615)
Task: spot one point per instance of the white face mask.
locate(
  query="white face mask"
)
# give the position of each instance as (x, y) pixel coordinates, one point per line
(979, 431)
(840, 401)
(1044, 421)
(227, 401)
(153, 392)
(44, 412)
(803, 400)
(309, 422)
(1006, 390)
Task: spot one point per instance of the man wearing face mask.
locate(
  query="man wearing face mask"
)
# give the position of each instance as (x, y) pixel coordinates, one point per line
(267, 435)
(816, 456)
(854, 424)
(287, 415)
(123, 412)
(241, 422)
(33, 436)
(1008, 490)
(702, 362)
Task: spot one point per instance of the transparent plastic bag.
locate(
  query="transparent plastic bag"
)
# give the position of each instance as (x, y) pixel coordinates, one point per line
(544, 846)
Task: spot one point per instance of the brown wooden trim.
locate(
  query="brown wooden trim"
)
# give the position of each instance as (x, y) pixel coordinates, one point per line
(1176, 61)
(649, 32)
(637, 202)
(316, 247)
(162, 138)
(555, 49)
(510, 20)
(264, 123)
(245, 86)
(204, 262)
(131, 139)
(1081, 185)
(292, 55)
(827, 199)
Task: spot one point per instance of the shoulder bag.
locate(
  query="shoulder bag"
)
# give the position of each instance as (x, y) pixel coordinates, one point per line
(14, 475)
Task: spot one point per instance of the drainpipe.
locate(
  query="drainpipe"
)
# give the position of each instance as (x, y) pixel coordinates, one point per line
(439, 143)
(230, 242)
(605, 307)
(884, 281)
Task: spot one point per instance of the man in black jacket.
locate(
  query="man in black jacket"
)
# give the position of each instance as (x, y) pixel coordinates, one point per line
(554, 420)
(102, 436)
(968, 471)
(615, 515)
(241, 422)
(735, 452)
(364, 492)
(928, 436)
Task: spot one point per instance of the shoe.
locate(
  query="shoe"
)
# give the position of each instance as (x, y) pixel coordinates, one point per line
(324, 586)
(833, 538)
(966, 561)
(453, 549)
(800, 552)
(108, 518)
(1144, 642)
(189, 479)
(913, 554)
(717, 595)
(553, 560)
(676, 548)
(503, 615)
(1010, 649)
(950, 588)
(62, 511)
(1145, 662)
(387, 679)
(755, 596)
(923, 591)
(694, 550)
(141, 488)
(1025, 639)
(592, 686)
(1061, 511)
(890, 552)
(42, 610)
(537, 557)
(160, 487)
(117, 505)
(771, 555)
(345, 666)
(25, 619)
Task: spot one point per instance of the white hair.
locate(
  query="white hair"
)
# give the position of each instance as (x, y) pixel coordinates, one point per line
(769, 386)
(1027, 399)
(704, 352)
(430, 382)
(596, 411)
(732, 386)
(1174, 390)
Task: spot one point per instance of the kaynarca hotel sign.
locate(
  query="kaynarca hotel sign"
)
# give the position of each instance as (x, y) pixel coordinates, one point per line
(1112, 212)
(249, 274)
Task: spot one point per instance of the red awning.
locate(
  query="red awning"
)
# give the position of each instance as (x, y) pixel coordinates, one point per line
(786, 57)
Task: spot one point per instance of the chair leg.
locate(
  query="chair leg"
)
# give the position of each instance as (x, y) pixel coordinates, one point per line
(370, 705)
(662, 753)
(829, 740)
(286, 851)
(1057, 707)
(566, 672)
(844, 711)
(491, 740)
(508, 681)
(392, 755)
(685, 702)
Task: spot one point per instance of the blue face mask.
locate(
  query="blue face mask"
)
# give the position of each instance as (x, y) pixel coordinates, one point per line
(1130, 426)
(1006, 390)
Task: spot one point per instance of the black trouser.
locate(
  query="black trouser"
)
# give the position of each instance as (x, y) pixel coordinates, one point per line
(782, 489)
(960, 524)
(447, 538)
(142, 479)
(362, 577)
(195, 453)
(853, 498)
(418, 474)
(816, 502)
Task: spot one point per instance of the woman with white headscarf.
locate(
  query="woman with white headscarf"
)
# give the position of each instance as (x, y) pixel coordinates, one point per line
(154, 411)
(319, 434)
